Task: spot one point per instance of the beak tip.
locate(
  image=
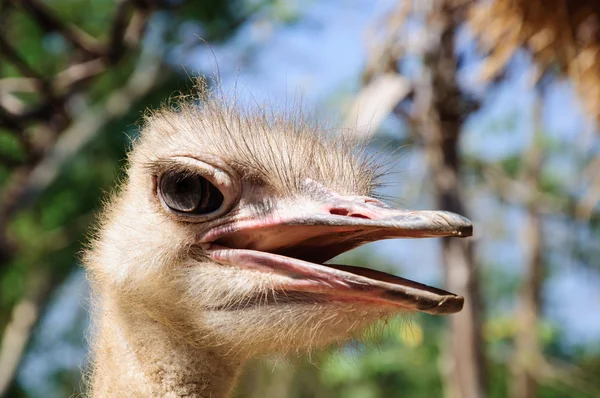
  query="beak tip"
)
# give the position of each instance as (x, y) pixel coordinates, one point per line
(455, 224)
(449, 305)
(465, 231)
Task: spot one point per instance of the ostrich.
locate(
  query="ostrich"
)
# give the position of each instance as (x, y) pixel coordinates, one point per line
(214, 250)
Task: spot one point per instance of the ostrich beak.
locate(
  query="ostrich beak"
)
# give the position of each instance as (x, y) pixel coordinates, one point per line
(296, 241)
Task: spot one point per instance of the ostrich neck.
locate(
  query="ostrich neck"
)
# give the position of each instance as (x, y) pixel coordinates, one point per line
(137, 356)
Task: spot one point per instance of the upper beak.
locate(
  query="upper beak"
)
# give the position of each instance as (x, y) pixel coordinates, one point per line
(291, 237)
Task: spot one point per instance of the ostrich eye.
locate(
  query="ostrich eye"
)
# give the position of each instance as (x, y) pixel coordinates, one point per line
(191, 194)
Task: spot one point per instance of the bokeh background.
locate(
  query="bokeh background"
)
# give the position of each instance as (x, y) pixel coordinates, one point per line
(488, 108)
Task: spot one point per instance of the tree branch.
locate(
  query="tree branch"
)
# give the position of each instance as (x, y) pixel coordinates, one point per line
(9, 52)
(584, 208)
(51, 23)
(145, 78)
(17, 333)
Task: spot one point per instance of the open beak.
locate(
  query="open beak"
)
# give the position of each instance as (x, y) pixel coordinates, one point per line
(296, 241)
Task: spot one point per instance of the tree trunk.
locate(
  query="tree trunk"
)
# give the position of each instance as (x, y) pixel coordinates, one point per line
(441, 110)
(527, 356)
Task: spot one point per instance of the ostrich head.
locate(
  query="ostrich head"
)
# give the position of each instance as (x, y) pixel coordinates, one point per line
(223, 227)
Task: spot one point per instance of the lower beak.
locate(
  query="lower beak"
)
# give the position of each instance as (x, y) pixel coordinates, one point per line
(297, 241)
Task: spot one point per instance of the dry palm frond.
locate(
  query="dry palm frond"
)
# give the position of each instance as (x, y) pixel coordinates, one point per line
(565, 33)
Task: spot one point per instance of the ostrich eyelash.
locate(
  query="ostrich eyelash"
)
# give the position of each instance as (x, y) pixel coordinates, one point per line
(162, 166)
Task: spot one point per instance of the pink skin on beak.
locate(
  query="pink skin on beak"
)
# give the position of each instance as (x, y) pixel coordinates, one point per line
(296, 241)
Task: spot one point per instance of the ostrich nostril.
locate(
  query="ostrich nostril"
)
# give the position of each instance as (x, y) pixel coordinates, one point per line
(338, 212)
(345, 212)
